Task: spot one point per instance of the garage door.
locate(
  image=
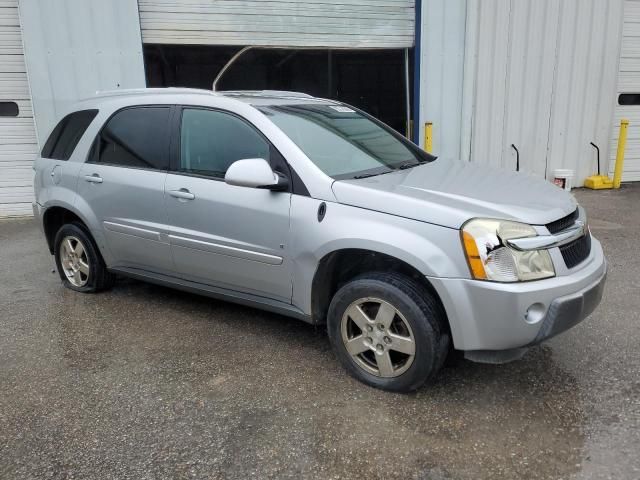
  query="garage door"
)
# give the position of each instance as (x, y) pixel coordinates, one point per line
(18, 145)
(326, 23)
(628, 105)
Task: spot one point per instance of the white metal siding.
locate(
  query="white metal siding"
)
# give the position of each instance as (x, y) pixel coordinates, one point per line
(544, 77)
(629, 82)
(76, 47)
(18, 146)
(326, 23)
(441, 73)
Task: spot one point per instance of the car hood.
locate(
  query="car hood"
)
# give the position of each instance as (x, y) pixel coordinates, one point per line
(448, 193)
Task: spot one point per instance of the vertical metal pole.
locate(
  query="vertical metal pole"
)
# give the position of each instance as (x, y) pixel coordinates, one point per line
(406, 91)
(622, 142)
(417, 65)
(329, 74)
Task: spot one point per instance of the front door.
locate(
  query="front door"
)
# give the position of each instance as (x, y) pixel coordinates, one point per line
(223, 235)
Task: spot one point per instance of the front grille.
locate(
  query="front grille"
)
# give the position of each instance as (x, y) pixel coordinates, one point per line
(563, 223)
(576, 251)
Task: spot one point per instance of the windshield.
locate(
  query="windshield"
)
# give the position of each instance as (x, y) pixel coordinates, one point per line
(343, 142)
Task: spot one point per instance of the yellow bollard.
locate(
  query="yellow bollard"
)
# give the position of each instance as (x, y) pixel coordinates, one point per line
(622, 142)
(428, 137)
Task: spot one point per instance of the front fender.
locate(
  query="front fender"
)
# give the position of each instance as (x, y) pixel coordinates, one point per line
(433, 250)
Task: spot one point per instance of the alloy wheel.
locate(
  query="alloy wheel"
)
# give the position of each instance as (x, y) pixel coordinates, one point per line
(378, 337)
(74, 261)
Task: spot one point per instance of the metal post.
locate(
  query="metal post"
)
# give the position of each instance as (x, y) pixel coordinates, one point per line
(622, 143)
(428, 137)
(406, 91)
(329, 74)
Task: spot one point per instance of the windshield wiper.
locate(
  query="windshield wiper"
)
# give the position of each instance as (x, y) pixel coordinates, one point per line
(367, 175)
(404, 166)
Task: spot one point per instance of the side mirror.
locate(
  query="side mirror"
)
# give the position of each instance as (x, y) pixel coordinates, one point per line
(255, 173)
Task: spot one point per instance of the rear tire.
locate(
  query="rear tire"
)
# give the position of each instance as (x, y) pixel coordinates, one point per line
(388, 331)
(78, 260)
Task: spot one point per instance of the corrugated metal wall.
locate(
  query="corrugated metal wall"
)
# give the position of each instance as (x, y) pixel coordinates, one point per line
(629, 82)
(544, 76)
(18, 145)
(77, 47)
(441, 73)
(326, 23)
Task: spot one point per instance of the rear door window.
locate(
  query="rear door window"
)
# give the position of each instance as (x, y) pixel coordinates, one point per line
(136, 137)
(66, 135)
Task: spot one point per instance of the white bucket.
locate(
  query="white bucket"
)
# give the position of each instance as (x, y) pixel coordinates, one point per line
(562, 177)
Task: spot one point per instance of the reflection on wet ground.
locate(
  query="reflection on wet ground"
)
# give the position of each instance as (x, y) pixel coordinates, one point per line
(147, 382)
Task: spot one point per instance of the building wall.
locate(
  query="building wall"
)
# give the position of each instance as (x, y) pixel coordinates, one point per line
(540, 75)
(629, 82)
(545, 76)
(77, 47)
(330, 23)
(18, 146)
(442, 72)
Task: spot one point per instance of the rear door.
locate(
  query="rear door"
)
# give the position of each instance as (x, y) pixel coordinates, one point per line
(55, 176)
(122, 184)
(223, 235)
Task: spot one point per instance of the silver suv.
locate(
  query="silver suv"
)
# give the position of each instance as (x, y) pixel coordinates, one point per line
(314, 209)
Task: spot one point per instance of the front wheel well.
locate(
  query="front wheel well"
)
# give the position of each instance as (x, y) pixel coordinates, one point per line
(337, 268)
(54, 218)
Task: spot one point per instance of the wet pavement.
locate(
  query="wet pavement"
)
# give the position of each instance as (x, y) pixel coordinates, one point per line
(146, 382)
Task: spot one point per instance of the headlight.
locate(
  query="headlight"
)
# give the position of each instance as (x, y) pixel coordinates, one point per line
(490, 258)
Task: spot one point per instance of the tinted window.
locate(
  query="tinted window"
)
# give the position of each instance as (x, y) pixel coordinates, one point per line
(135, 137)
(67, 134)
(210, 141)
(9, 109)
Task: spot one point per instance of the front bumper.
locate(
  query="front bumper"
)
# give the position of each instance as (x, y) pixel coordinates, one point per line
(493, 316)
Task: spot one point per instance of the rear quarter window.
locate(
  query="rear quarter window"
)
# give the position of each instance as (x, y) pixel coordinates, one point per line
(64, 138)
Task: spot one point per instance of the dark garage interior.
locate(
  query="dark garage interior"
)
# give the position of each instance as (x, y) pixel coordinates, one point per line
(373, 80)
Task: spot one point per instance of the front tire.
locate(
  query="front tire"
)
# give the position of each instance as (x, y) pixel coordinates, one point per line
(79, 262)
(388, 331)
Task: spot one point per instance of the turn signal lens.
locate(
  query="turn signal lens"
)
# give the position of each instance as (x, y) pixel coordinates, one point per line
(473, 256)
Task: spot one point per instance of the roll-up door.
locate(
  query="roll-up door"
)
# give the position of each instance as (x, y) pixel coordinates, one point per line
(326, 23)
(18, 144)
(628, 104)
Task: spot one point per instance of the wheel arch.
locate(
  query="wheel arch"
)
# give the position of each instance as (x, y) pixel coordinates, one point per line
(57, 215)
(339, 266)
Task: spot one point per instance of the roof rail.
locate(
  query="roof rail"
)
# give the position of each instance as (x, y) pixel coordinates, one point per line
(150, 91)
(263, 93)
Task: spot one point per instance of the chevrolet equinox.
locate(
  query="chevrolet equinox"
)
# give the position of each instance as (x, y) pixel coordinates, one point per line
(314, 209)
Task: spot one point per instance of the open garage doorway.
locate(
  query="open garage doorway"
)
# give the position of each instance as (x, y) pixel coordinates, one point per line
(373, 80)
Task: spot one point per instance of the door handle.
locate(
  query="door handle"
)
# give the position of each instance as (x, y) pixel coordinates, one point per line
(183, 194)
(95, 178)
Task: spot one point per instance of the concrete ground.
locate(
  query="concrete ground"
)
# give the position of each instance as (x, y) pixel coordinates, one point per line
(146, 382)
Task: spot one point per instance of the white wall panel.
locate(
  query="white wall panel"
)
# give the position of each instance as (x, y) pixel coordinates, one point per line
(18, 146)
(326, 23)
(584, 90)
(490, 71)
(77, 47)
(543, 78)
(529, 83)
(441, 74)
(629, 82)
